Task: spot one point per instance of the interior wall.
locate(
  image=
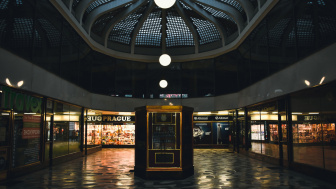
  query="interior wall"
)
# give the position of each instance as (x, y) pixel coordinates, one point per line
(313, 69)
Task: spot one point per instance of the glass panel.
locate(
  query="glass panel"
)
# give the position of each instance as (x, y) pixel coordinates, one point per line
(94, 134)
(164, 131)
(47, 139)
(4, 142)
(74, 129)
(27, 131)
(264, 129)
(4, 128)
(61, 129)
(329, 146)
(308, 146)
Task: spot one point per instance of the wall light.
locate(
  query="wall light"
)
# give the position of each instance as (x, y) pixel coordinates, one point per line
(296, 113)
(8, 82)
(307, 83)
(20, 83)
(163, 83)
(323, 78)
(165, 60)
(164, 4)
(312, 113)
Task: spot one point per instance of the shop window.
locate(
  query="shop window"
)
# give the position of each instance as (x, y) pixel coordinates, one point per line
(121, 134)
(27, 130)
(314, 130)
(263, 122)
(94, 137)
(66, 129)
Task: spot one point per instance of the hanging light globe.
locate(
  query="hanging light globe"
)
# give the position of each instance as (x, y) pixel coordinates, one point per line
(165, 60)
(163, 83)
(164, 4)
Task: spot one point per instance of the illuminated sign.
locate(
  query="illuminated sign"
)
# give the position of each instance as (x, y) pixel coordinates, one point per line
(213, 118)
(111, 118)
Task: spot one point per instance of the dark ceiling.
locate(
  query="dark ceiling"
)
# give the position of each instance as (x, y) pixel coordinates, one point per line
(293, 29)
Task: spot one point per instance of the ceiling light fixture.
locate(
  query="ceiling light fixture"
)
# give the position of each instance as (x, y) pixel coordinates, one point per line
(164, 4)
(163, 83)
(165, 60)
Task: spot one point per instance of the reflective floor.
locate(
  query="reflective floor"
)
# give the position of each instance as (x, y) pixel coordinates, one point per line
(215, 168)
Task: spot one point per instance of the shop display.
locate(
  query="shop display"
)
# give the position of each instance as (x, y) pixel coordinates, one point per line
(274, 137)
(314, 133)
(118, 134)
(94, 134)
(257, 132)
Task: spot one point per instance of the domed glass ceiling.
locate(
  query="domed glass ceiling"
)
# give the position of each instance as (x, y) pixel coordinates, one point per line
(140, 30)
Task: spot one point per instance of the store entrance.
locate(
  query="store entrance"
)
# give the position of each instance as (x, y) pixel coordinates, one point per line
(4, 143)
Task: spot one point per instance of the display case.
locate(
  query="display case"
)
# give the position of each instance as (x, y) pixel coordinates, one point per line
(163, 142)
(121, 134)
(94, 134)
(258, 132)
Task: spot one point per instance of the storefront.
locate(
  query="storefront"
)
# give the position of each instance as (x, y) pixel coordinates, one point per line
(212, 130)
(110, 130)
(36, 131)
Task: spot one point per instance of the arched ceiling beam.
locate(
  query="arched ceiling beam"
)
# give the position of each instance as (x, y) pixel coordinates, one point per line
(97, 12)
(190, 25)
(122, 15)
(248, 8)
(61, 7)
(140, 23)
(68, 3)
(80, 9)
(208, 17)
(229, 10)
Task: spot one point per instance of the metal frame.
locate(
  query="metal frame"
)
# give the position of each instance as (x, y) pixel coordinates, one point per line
(74, 17)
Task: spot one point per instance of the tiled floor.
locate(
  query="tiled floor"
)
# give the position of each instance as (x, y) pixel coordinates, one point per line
(215, 168)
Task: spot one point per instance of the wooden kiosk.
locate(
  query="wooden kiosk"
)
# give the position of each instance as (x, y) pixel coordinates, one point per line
(163, 142)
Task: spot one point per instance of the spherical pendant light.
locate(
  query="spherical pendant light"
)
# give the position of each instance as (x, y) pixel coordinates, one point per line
(164, 4)
(163, 83)
(165, 60)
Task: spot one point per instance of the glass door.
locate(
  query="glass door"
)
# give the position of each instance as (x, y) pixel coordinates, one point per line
(4, 143)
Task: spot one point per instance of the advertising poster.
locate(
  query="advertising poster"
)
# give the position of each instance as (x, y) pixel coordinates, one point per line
(202, 133)
(26, 140)
(221, 132)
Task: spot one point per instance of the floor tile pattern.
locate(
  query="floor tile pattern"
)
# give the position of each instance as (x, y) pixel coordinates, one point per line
(214, 168)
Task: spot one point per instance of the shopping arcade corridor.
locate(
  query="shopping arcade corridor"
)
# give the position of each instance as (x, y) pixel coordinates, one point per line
(214, 168)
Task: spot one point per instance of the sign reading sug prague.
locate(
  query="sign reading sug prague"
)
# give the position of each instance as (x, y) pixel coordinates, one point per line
(111, 118)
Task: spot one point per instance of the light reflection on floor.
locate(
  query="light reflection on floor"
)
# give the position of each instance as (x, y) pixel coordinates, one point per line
(214, 168)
